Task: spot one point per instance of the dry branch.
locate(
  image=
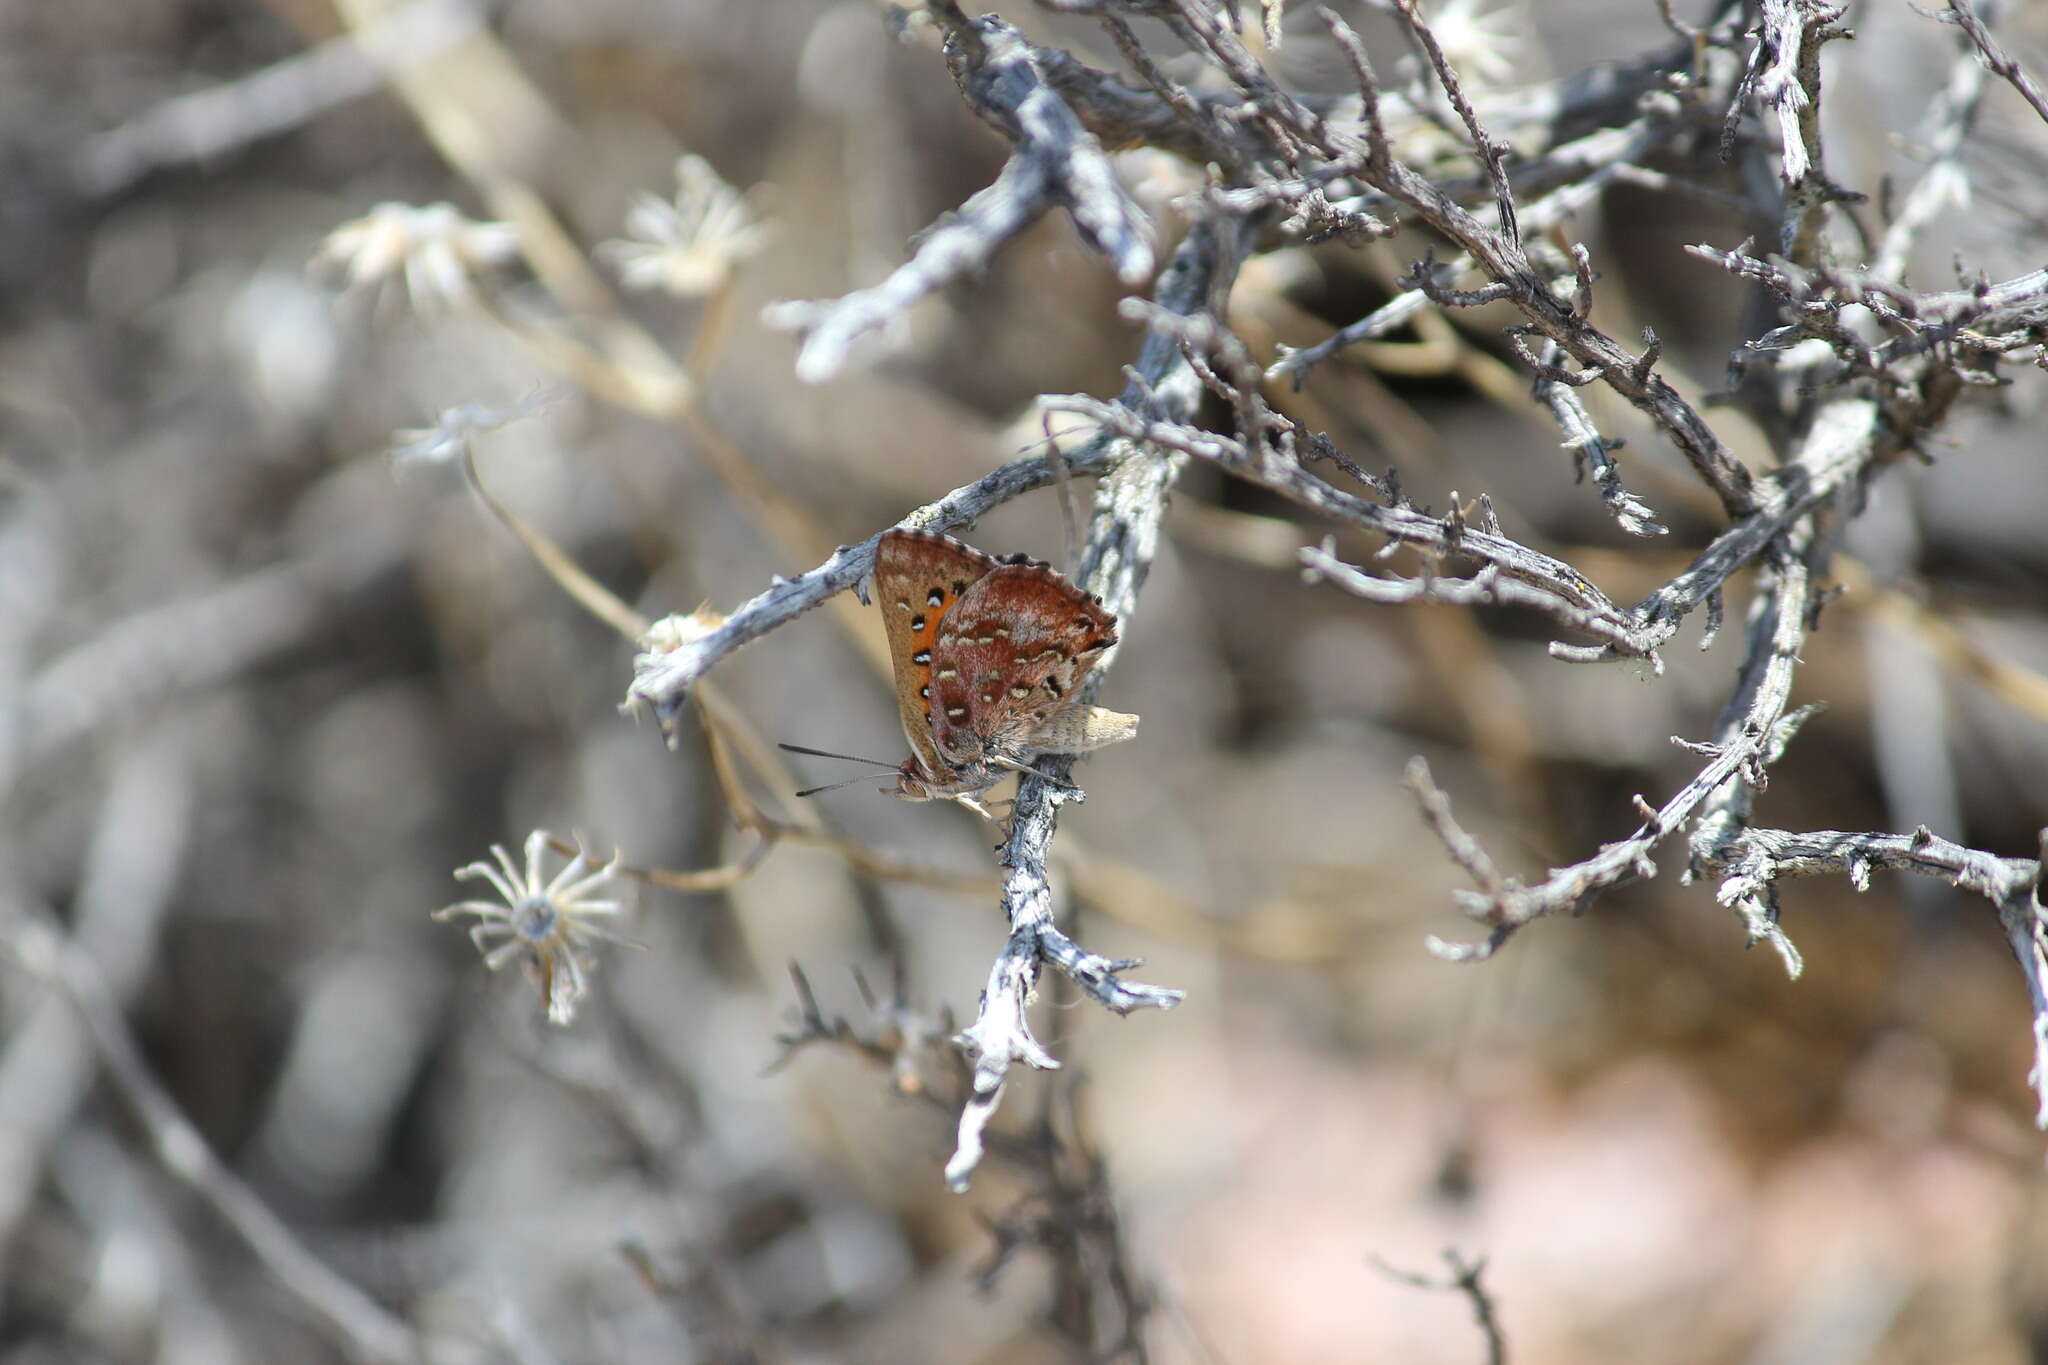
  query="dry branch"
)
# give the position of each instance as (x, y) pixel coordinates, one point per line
(1122, 539)
(1056, 162)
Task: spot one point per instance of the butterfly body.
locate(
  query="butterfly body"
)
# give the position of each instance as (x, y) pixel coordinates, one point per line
(989, 657)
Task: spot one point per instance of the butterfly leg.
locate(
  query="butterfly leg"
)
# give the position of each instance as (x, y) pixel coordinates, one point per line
(975, 804)
(1006, 823)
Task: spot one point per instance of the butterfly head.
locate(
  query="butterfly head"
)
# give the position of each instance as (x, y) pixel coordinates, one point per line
(911, 783)
(915, 782)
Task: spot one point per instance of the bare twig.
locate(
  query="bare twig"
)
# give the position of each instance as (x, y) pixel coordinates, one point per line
(904, 1039)
(1789, 38)
(1516, 281)
(1752, 732)
(208, 124)
(354, 1318)
(1057, 162)
(47, 1064)
(1590, 449)
(1945, 183)
(1464, 1278)
(1964, 16)
(1122, 539)
(1750, 863)
(1099, 1302)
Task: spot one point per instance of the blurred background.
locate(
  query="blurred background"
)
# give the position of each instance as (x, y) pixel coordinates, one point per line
(267, 686)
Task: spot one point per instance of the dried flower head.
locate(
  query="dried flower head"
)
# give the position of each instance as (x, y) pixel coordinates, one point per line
(688, 245)
(1482, 45)
(457, 427)
(435, 252)
(545, 924)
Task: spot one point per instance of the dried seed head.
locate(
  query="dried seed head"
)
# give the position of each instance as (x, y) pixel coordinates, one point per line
(543, 923)
(433, 252)
(688, 245)
(1483, 45)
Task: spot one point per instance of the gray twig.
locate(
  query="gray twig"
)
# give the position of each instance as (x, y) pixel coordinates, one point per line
(1571, 178)
(1463, 1279)
(1749, 736)
(1963, 16)
(1591, 450)
(1945, 182)
(47, 1064)
(1751, 862)
(1498, 252)
(1790, 34)
(1122, 539)
(368, 1329)
(206, 125)
(1056, 162)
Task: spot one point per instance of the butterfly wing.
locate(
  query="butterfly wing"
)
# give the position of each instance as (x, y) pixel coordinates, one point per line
(1008, 661)
(919, 577)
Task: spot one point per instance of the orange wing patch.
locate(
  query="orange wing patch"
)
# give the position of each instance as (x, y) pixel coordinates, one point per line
(919, 575)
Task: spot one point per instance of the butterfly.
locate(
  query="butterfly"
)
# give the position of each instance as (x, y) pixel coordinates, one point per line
(989, 656)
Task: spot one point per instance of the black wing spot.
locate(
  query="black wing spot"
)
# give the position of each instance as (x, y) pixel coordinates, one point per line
(917, 623)
(1098, 643)
(1052, 686)
(934, 597)
(922, 657)
(958, 587)
(925, 691)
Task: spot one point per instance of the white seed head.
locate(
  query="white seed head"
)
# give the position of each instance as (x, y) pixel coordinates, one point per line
(688, 245)
(435, 253)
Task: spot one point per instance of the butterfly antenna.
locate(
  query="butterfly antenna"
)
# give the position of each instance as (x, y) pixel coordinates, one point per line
(1063, 475)
(827, 753)
(834, 786)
